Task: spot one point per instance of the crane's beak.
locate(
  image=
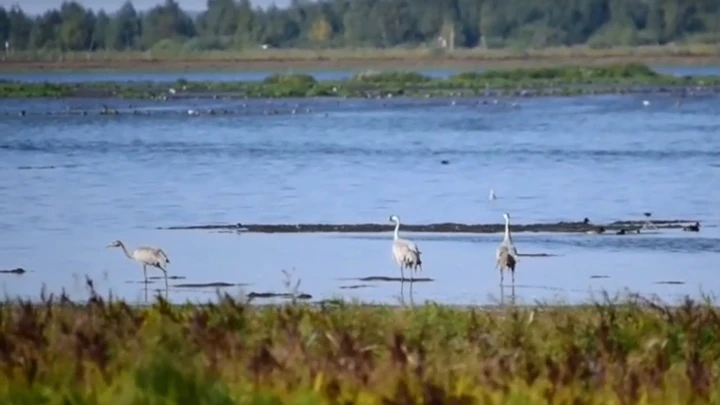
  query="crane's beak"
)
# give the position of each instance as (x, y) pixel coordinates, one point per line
(109, 246)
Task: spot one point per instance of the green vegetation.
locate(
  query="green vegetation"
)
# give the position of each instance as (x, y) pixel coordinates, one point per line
(538, 81)
(428, 24)
(107, 352)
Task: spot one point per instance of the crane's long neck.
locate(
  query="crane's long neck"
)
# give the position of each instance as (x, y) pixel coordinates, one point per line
(125, 251)
(507, 230)
(397, 228)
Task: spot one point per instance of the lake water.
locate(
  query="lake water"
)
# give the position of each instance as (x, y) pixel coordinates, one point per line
(346, 161)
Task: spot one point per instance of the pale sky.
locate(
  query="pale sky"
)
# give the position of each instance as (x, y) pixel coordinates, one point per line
(39, 6)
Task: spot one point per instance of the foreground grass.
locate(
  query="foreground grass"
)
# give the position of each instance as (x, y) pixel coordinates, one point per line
(361, 58)
(567, 80)
(107, 352)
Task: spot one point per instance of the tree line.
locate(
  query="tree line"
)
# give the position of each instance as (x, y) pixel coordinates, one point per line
(235, 24)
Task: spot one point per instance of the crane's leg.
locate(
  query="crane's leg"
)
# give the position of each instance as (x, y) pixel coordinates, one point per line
(502, 276)
(402, 273)
(166, 280)
(145, 272)
(513, 276)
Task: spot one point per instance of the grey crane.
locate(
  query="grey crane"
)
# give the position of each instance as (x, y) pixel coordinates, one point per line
(147, 256)
(505, 261)
(506, 254)
(405, 252)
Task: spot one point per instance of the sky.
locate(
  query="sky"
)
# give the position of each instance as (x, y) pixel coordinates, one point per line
(39, 6)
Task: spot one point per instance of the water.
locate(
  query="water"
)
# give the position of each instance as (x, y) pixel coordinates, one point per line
(345, 161)
(251, 76)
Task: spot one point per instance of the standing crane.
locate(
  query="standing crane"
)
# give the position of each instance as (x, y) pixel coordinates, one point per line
(506, 254)
(147, 256)
(405, 252)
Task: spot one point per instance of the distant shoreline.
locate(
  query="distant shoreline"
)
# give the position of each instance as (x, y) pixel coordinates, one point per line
(293, 59)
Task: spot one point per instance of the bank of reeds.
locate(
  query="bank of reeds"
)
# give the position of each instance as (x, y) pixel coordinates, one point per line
(566, 80)
(227, 352)
(399, 55)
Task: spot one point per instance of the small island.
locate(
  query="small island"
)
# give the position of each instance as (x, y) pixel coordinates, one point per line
(523, 82)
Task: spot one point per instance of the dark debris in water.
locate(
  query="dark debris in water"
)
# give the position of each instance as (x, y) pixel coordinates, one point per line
(209, 285)
(18, 270)
(537, 254)
(35, 167)
(670, 282)
(599, 276)
(302, 296)
(446, 227)
(68, 166)
(169, 278)
(355, 286)
(383, 278)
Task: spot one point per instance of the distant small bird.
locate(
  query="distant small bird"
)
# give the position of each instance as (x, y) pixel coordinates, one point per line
(586, 221)
(492, 195)
(692, 228)
(147, 256)
(620, 232)
(648, 224)
(405, 252)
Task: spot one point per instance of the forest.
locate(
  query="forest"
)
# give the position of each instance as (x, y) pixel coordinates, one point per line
(237, 25)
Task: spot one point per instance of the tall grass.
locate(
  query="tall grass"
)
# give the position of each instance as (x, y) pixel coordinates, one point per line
(108, 352)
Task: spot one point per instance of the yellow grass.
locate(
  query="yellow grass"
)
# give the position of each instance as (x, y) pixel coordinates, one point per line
(361, 57)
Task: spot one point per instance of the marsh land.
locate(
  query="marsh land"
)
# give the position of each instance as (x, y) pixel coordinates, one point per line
(108, 352)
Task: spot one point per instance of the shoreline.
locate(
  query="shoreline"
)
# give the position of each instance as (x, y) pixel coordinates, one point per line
(297, 59)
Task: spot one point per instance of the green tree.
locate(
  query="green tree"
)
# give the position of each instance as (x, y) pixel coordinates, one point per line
(220, 19)
(246, 27)
(125, 29)
(45, 32)
(101, 31)
(382, 23)
(4, 26)
(166, 22)
(321, 30)
(76, 27)
(20, 27)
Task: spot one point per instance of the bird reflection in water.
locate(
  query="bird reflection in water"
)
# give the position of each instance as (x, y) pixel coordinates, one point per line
(402, 293)
(512, 296)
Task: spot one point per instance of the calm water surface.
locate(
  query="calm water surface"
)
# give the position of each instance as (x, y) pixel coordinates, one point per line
(548, 159)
